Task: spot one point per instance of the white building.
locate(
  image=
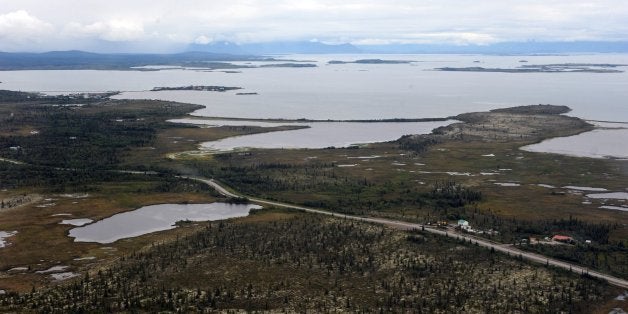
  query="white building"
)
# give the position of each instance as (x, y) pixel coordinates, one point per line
(464, 225)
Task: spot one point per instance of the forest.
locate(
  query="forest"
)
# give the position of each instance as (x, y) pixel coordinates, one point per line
(282, 260)
(287, 261)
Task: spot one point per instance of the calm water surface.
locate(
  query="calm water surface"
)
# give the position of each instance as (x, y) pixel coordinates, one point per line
(611, 141)
(361, 91)
(371, 91)
(318, 135)
(155, 218)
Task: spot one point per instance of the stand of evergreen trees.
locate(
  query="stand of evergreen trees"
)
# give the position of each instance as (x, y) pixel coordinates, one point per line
(309, 263)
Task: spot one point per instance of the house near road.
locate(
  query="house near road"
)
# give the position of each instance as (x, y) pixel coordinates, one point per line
(562, 238)
(464, 225)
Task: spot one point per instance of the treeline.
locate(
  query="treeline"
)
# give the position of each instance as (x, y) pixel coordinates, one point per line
(56, 180)
(417, 143)
(8, 95)
(310, 263)
(323, 185)
(452, 194)
(607, 258)
(16, 96)
(89, 137)
(601, 254)
(53, 180)
(514, 228)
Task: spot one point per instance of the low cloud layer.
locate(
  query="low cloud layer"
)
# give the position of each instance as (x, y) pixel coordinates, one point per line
(20, 28)
(113, 30)
(30, 25)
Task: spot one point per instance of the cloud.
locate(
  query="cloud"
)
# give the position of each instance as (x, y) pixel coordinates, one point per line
(203, 40)
(456, 38)
(168, 22)
(113, 30)
(20, 26)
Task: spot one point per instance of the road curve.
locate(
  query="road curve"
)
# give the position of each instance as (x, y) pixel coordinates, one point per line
(499, 247)
(11, 161)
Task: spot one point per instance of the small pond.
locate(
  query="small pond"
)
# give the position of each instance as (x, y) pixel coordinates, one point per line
(607, 141)
(4, 235)
(154, 218)
(613, 195)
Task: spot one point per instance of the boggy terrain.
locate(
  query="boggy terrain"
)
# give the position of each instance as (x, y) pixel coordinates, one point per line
(472, 170)
(524, 123)
(85, 159)
(283, 260)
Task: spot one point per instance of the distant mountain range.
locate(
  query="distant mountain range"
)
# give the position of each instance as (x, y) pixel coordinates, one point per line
(305, 47)
(504, 48)
(296, 47)
(74, 59)
(218, 54)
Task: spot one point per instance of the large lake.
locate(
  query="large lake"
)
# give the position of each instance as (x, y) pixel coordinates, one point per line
(317, 135)
(370, 91)
(362, 91)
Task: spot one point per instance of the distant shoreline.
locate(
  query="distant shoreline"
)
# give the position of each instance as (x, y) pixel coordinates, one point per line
(303, 120)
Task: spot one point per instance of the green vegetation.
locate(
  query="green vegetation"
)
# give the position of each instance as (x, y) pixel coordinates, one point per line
(446, 176)
(324, 185)
(298, 262)
(116, 156)
(65, 144)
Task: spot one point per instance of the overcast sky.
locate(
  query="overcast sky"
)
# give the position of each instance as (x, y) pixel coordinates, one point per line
(169, 25)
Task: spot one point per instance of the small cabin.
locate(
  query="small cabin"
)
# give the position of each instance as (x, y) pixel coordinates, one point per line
(562, 238)
(463, 224)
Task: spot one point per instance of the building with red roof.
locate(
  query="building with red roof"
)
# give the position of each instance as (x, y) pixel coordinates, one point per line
(562, 238)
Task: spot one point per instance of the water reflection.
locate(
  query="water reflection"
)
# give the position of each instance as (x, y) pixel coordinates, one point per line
(600, 143)
(319, 134)
(155, 218)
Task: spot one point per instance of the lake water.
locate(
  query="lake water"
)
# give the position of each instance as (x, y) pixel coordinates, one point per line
(611, 140)
(155, 218)
(362, 91)
(318, 135)
(371, 91)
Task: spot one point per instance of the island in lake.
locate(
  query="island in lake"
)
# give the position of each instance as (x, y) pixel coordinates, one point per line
(197, 88)
(544, 68)
(288, 65)
(371, 61)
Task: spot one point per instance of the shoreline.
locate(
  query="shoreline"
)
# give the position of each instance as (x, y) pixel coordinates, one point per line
(305, 120)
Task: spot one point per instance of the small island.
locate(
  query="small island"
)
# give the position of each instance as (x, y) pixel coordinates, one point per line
(544, 68)
(371, 61)
(202, 88)
(288, 65)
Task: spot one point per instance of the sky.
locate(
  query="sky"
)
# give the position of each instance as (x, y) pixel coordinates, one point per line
(169, 25)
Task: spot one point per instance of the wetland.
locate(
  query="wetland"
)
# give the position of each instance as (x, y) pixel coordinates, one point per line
(121, 155)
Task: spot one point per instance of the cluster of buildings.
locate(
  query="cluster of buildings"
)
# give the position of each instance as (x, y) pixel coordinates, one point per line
(465, 226)
(557, 238)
